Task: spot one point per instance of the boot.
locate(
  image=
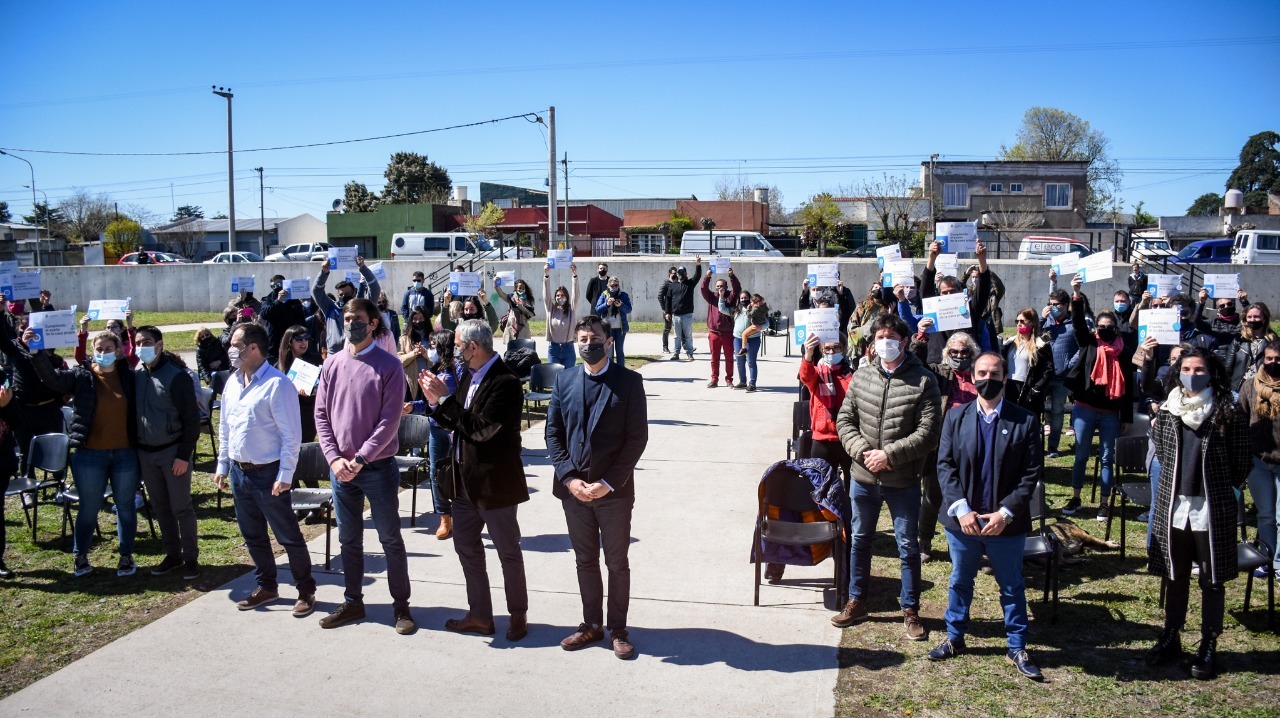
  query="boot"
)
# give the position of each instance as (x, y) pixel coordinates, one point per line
(445, 529)
(1203, 665)
(1167, 649)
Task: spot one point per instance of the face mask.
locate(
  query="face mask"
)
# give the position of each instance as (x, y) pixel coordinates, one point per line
(433, 356)
(343, 299)
(989, 389)
(911, 293)
(833, 359)
(233, 356)
(1121, 307)
(1257, 326)
(357, 331)
(419, 324)
(1056, 311)
(959, 364)
(1107, 334)
(888, 349)
(417, 284)
(277, 286)
(562, 301)
(1194, 383)
(104, 360)
(591, 353)
(1227, 311)
(1272, 369)
(1024, 330)
(471, 316)
(147, 354)
(603, 272)
(614, 290)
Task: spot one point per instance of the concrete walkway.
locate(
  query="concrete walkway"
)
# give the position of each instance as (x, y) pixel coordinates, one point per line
(703, 648)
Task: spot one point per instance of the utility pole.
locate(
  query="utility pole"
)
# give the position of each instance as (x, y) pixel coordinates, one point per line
(231, 172)
(33, 200)
(567, 235)
(262, 215)
(553, 229)
(932, 216)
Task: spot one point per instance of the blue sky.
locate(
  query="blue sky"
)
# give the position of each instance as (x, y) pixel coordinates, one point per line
(654, 99)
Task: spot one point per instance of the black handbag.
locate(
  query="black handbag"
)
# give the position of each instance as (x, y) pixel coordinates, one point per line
(445, 487)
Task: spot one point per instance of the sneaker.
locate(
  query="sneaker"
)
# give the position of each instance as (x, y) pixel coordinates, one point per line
(675, 357)
(690, 356)
(853, 612)
(622, 647)
(949, 648)
(740, 385)
(1072, 506)
(305, 605)
(751, 388)
(1262, 572)
(168, 564)
(343, 614)
(404, 621)
(915, 629)
(1022, 662)
(5, 571)
(1053, 455)
(1144, 517)
(1104, 513)
(82, 567)
(126, 567)
(259, 597)
(581, 638)
(191, 570)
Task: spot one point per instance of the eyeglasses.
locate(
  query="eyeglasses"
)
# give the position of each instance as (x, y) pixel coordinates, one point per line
(1023, 322)
(959, 353)
(302, 339)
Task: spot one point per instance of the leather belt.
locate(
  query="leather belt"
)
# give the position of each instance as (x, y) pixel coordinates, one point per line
(246, 466)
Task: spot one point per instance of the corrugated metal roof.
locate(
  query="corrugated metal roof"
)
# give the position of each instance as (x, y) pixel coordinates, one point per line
(617, 207)
(219, 226)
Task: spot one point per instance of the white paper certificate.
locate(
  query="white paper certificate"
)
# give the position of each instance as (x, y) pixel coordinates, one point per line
(1164, 285)
(559, 258)
(53, 330)
(1222, 286)
(239, 284)
(899, 271)
(465, 284)
(1163, 324)
(1095, 267)
(823, 275)
(718, 265)
(104, 309)
(20, 285)
(504, 281)
(948, 312)
(297, 288)
(1065, 265)
(342, 258)
(947, 265)
(304, 375)
(957, 237)
(884, 254)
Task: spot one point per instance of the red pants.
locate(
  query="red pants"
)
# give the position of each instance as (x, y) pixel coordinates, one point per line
(721, 344)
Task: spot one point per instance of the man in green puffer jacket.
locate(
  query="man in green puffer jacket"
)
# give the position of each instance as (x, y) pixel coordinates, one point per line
(889, 423)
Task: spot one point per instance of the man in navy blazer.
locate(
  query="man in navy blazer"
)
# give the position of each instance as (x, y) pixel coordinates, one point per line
(988, 463)
(597, 429)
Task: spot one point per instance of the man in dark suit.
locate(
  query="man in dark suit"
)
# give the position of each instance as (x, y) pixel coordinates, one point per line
(488, 476)
(988, 463)
(597, 428)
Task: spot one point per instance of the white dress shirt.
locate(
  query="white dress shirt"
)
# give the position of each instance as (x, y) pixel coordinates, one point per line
(260, 422)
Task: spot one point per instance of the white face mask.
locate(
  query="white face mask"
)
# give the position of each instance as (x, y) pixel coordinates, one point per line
(233, 355)
(833, 359)
(433, 356)
(888, 349)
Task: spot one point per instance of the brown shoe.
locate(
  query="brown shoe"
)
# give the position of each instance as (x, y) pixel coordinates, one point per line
(773, 572)
(712, 384)
(582, 637)
(467, 624)
(518, 627)
(259, 596)
(445, 529)
(346, 613)
(854, 611)
(304, 606)
(915, 629)
(405, 624)
(622, 647)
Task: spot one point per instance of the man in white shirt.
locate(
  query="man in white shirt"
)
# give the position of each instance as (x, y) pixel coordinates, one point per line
(258, 441)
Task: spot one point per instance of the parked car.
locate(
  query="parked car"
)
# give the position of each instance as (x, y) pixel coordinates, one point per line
(866, 251)
(306, 251)
(156, 258)
(1207, 251)
(1044, 248)
(1151, 249)
(1254, 246)
(233, 257)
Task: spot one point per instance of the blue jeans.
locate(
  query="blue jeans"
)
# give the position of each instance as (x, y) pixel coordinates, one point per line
(256, 509)
(904, 507)
(92, 469)
(682, 326)
(619, 337)
(563, 353)
(380, 483)
(1154, 474)
(438, 447)
(753, 351)
(1264, 486)
(1057, 400)
(1005, 553)
(1086, 421)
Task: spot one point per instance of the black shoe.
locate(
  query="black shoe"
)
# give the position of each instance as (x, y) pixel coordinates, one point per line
(191, 570)
(949, 648)
(1022, 662)
(5, 571)
(1203, 665)
(1072, 506)
(751, 388)
(1104, 511)
(126, 566)
(404, 621)
(344, 614)
(168, 564)
(740, 385)
(773, 572)
(82, 567)
(1167, 649)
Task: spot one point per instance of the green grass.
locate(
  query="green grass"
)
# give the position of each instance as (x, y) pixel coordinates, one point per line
(1092, 655)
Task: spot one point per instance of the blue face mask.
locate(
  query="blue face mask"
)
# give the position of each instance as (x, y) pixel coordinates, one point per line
(1056, 311)
(1121, 307)
(147, 354)
(104, 360)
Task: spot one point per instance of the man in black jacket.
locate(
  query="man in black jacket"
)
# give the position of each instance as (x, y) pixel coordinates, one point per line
(418, 295)
(279, 312)
(680, 296)
(597, 284)
(663, 294)
(168, 427)
(988, 462)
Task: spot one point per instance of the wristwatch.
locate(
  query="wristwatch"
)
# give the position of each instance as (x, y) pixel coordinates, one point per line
(360, 460)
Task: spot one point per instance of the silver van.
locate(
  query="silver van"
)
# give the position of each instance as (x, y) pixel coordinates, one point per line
(728, 243)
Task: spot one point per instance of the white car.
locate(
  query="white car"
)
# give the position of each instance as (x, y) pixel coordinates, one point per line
(234, 257)
(1152, 249)
(307, 251)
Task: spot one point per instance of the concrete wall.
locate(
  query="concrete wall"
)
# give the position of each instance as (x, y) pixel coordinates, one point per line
(207, 287)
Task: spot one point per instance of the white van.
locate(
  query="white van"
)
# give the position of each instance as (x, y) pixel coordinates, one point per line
(441, 245)
(1044, 248)
(728, 243)
(1256, 246)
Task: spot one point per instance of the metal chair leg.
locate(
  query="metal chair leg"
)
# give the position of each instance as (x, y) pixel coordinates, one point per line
(756, 550)
(328, 516)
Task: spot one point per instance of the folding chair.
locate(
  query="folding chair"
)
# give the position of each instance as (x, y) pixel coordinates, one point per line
(1042, 546)
(1249, 556)
(414, 435)
(514, 344)
(787, 490)
(541, 380)
(48, 453)
(312, 466)
(1131, 459)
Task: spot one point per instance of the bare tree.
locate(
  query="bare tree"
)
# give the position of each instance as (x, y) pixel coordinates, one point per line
(86, 214)
(898, 205)
(1016, 214)
(740, 188)
(186, 236)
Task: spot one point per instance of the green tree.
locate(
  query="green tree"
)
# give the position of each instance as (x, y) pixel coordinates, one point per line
(5, 216)
(1259, 169)
(821, 217)
(357, 198)
(42, 216)
(123, 236)
(678, 224)
(1206, 205)
(187, 211)
(483, 223)
(412, 179)
(1050, 134)
(1141, 217)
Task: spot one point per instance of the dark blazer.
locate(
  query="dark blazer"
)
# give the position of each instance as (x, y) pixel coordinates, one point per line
(1017, 462)
(615, 433)
(488, 437)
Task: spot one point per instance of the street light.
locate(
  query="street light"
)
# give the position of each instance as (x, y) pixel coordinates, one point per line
(48, 226)
(33, 198)
(231, 172)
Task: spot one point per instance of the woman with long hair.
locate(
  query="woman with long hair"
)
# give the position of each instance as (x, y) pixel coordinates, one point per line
(515, 324)
(450, 368)
(1202, 438)
(1244, 355)
(211, 356)
(750, 314)
(414, 343)
(613, 305)
(1029, 363)
(297, 344)
(562, 309)
(1260, 399)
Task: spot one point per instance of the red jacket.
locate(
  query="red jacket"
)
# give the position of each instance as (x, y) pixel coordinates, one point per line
(718, 321)
(827, 385)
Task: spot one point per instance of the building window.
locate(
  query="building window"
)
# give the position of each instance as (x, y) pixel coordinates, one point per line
(997, 187)
(1057, 196)
(955, 195)
(1015, 186)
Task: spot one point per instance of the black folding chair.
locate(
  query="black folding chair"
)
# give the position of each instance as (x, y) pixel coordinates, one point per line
(541, 381)
(1041, 546)
(415, 435)
(1250, 555)
(48, 454)
(529, 344)
(1131, 460)
(789, 491)
(313, 467)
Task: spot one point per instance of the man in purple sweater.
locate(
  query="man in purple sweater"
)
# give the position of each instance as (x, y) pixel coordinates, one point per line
(358, 406)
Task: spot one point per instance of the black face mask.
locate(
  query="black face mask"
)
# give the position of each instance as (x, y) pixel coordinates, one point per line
(604, 272)
(471, 316)
(1107, 334)
(989, 389)
(1272, 370)
(1258, 326)
(591, 353)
